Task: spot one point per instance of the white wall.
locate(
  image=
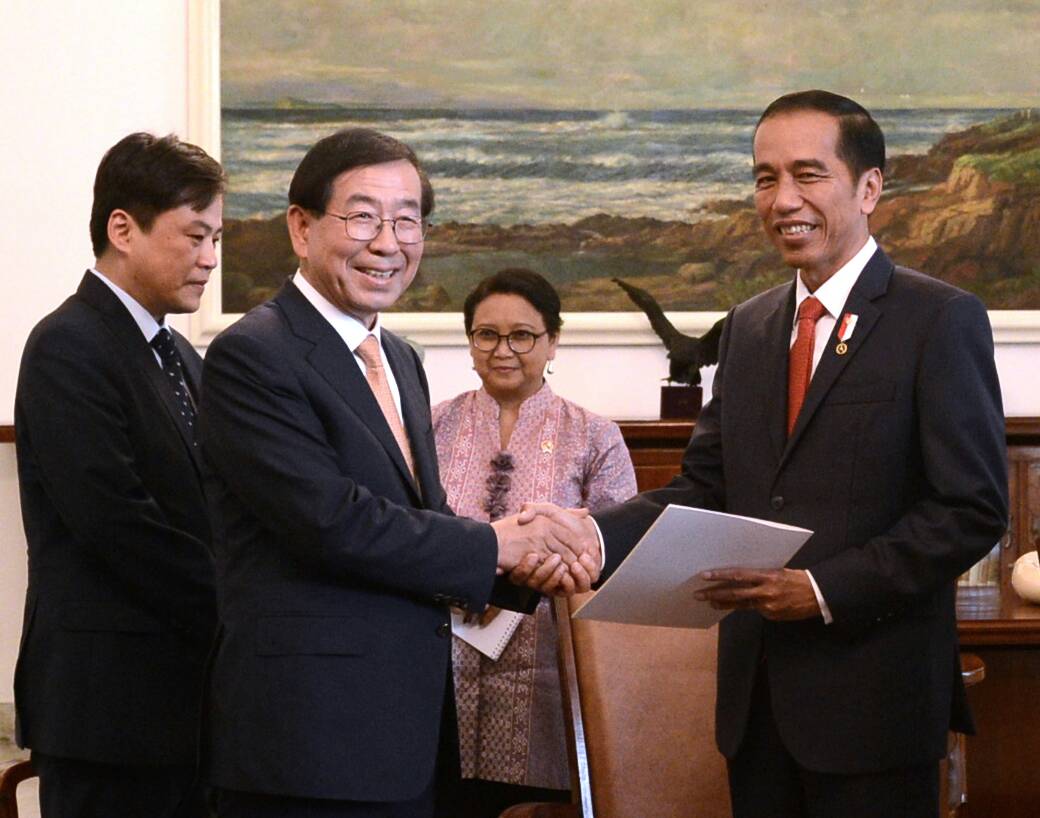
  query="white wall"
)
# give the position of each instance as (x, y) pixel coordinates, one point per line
(622, 382)
(12, 571)
(79, 75)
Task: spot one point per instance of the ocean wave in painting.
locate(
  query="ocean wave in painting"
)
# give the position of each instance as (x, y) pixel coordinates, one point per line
(542, 166)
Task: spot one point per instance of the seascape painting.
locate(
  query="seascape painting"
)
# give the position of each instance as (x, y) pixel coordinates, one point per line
(560, 139)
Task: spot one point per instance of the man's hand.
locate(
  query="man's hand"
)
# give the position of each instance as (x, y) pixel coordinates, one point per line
(784, 595)
(551, 576)
(540, 535)
(549, 549)
(561, 577)
(482, 619)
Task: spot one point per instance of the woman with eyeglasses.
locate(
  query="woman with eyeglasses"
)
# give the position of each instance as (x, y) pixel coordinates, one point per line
(509, 442)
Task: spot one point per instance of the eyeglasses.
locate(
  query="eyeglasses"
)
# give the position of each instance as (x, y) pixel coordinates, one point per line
(520, 341)
(364, 226)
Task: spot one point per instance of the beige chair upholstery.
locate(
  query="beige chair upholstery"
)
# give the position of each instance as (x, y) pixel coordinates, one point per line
(640, 705)
(641, 720)
(648, 706)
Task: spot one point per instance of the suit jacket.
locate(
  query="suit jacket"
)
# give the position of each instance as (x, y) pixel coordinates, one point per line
(897, 462)
(120, 610)
(335, 570)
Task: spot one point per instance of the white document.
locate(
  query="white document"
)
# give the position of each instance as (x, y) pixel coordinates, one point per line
(656, 582)
(490, 639)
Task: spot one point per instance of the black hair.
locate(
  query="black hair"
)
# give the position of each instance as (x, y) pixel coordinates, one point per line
(345, 150)
(861, 145)
(146, 175)
(527, 284)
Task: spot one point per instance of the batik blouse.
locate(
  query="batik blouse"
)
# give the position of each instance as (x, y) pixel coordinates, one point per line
(510, 711)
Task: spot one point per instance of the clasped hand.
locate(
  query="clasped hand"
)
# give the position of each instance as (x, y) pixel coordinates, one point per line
(549, 549)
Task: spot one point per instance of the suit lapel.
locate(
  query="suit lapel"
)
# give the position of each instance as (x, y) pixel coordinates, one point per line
(138, 352)
(413, 403)
(334, 362)
(872, 282)
(775, 344)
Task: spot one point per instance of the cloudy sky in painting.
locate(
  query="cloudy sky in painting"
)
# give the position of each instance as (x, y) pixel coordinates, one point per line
(609, 54)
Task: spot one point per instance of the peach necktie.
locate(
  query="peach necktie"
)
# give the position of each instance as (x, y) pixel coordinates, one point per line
(799, 365)
(376, 375)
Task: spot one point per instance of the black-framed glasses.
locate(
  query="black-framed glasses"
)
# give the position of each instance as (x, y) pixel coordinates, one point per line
(364, 226)
(521, 341)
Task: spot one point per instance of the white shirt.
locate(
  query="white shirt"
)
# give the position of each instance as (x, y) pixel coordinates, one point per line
(145, 320)
(352, 331)
(833, 294)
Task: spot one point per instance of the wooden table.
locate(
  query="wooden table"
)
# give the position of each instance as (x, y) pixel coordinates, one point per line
(1004, 755)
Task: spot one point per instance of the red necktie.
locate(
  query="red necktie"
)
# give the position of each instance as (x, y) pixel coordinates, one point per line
(799, 365)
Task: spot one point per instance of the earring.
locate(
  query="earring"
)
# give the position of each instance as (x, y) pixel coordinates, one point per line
(549, 367)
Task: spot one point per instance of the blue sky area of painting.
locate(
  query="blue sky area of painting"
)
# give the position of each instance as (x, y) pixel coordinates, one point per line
(610, 55)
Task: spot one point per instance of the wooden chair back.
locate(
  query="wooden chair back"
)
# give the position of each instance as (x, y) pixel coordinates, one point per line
(640, 718)
(641, 704)
(12, 773)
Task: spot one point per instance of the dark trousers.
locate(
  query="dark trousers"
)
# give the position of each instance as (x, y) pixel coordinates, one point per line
(766, 782)
(73, 788)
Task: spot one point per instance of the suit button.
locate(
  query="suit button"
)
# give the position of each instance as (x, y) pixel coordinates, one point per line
(444, 630)
(777, 503)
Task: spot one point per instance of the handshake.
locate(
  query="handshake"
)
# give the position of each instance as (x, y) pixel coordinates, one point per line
(549, 549)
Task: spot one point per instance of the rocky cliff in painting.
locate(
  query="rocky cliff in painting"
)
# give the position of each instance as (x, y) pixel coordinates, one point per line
(967, 212)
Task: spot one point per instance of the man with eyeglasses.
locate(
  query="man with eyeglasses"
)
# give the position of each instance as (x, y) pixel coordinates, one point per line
(331, 688)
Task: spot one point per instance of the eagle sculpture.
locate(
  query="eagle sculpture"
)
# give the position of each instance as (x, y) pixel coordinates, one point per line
(686, 354)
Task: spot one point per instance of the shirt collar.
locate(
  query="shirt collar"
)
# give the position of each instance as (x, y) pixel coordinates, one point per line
(145, 320)
(834, 292)
(352, 331)
(533, 403)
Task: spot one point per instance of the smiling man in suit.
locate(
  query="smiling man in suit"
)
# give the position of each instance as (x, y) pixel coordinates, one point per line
(860, 401)
(338, 558)
(120, 611)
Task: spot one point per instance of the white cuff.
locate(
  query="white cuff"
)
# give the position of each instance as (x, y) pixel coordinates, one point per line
(827, 618)
(602, 545)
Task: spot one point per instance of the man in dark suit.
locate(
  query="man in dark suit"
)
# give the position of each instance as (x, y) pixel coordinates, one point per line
(338, 556)
(879, 428)
(120, 610)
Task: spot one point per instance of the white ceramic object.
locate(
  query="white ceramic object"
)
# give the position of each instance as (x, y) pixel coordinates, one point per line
(1025, 577)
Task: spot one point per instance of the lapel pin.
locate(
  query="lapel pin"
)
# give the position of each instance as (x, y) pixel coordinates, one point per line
(848, 324)
(547, 447)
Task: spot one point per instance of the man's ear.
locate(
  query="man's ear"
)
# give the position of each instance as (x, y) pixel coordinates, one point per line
(300, 223)
(870, 184)
(121, 227)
